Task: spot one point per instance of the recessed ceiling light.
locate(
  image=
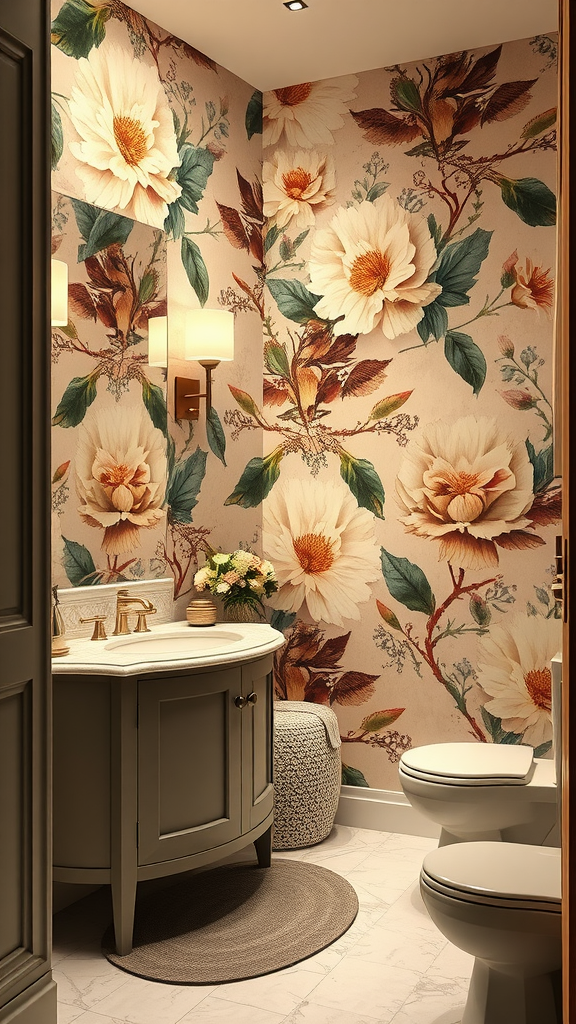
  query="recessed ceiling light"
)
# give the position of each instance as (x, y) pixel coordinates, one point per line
(295, 5)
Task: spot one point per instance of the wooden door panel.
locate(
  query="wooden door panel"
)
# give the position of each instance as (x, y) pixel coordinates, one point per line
(189, 779)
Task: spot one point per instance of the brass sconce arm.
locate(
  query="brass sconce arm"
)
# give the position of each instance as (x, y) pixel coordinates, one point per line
(187, 393)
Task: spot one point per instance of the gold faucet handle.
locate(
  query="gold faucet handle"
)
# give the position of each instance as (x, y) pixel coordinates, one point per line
(141, 625)
(99, 631)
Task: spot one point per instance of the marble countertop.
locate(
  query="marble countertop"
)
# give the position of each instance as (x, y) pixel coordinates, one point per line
(169, 647)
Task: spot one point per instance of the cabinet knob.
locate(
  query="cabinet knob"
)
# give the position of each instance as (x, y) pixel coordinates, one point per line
(252, 698)
(240, 701)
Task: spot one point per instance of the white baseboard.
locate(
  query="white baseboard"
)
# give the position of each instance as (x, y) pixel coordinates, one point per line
(383, 810)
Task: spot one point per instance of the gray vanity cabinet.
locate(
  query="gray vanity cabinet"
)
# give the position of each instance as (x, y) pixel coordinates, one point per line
(160, 774)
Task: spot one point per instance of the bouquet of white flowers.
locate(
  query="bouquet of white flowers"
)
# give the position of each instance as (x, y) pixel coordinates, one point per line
(241, 579)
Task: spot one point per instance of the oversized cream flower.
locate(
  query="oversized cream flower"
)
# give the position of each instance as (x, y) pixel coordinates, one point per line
(307, 113)
(322, 547)
(296, 186)
(469, 486)
(370, 265)
(514, 670)
(120, 474)
(128, 148)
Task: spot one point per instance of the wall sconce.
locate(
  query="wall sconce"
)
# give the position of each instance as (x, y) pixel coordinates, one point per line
(158, 341)
(59, 303)
(209, 340)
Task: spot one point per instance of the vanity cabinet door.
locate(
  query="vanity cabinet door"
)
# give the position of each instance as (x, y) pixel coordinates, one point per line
(257, 793)
(189, 764)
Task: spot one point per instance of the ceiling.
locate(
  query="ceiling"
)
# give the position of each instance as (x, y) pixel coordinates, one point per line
(269, 46)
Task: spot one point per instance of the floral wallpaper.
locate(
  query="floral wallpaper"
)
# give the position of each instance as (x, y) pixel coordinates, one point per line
(151, 141)
(409, 501)
(387, 444)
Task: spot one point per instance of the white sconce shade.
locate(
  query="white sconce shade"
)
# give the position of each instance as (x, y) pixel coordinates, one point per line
(209, 335)
(158, 341)
(59, 305)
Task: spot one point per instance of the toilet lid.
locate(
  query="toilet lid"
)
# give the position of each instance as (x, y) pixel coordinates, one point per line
(471, 763)
(509, 874)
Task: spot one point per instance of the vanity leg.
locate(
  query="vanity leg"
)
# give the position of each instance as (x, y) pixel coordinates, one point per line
(123, 904)
(263, 847)
(124, 807)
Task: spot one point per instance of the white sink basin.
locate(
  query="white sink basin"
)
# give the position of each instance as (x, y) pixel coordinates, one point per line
(178, 645)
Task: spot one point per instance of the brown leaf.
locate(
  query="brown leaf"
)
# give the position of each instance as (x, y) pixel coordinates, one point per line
(255, 242)
(233, 227)
(81, 301)
(509, 99)
(450, 72)
(467, 116)
(96, 273)
(251, 198)
(482, 72)
(106, 311)
(317, 689)
(329, 388)
(274, 394)
(353, 688)
(546, 508)
(330, 653)
(381, 719)
(383, 128)
(341, 350)
(303, 643)
(242, 284)
(56, 243)
(518, 540)
(365, 377)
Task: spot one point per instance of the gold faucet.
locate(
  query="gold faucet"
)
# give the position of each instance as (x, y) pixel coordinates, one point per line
(124, 604)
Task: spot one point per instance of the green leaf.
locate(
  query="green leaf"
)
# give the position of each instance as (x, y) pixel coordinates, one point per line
(435, 230)
(353, 777)
(531, 199)
(434, 322)
(195, 269)
(183, 486)
(300, 238)
(99, 228)
(540, 123)
(276, 359)
(272, 235)
(386, 406)
(380, 719)
(245, 401)
(364, 482)
(543, 464)
(406, 94)
(56, 138)
(192, 175)
(256, 481)
(79, 564)
(294, 300)
(254, 114)
(147, 287)
(79, 26)
(466, 359)
(480, 610)
(407, 583)
(175, 222)
(155, 402)
(376, 190)
(496, 732)
(215, 435)
(281, 620)
(459, 264)
(543, 749)
(79, 394)
(390, 618)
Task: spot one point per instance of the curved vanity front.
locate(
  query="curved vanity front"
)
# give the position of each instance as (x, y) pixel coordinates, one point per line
(162, 756)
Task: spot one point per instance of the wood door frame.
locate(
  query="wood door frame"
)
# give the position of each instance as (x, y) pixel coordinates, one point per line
(566, 377)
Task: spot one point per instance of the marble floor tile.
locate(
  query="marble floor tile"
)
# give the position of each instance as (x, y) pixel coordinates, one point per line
(313, 1013)
(89, 1017)
(280, 992)
(366, 988)
(213, 1010)
(397, 942)
(84, 982)
(148, 1002)
(452, 963)
(68, 1014)
(434, 1001)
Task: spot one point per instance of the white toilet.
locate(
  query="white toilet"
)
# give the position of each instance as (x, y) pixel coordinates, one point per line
(500, 902)
(483, 791)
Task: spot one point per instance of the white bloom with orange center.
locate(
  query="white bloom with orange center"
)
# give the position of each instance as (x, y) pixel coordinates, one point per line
(296, 186)
(469, 486)
(323, 548)
(307, 113)
(371, 266)
(534, 288)
(120, 474)
(128, 149)
(514, 670)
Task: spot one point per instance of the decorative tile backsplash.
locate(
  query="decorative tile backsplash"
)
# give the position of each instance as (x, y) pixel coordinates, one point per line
(83, 602)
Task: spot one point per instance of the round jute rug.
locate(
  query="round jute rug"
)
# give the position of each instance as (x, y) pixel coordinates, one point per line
(237, 921)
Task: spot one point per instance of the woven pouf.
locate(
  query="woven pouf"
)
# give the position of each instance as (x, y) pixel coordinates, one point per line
(307, 773)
